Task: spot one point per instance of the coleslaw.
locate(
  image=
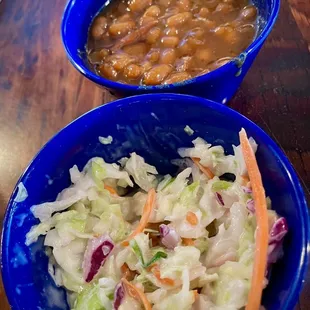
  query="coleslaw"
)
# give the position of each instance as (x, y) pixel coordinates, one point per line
(122, 236)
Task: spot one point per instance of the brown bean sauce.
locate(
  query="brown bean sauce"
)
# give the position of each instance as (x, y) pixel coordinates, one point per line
(152, 42)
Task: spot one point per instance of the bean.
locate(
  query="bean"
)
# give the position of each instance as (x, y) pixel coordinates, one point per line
(97, 56)
(248, 13)
(177, 77)
(197, 33)
(195, 42)
(184, 63)
(137, 49)
(210, 24)
(164, 3)
(185, 49)
(220, 30)
(133, 71)
(211, 4)
(146, 65)
(204, 12)
(184, 5)
(144, 20)
(157, 74)
(99, 27)
(204, 55)
(108, 71)
(120, 61)
(246, 29)
(231, 36)
(120, 29)
(153, 11)
(153, 35)
(224, 8)
(139, 5)
(179, 19)
(168, 56)
(171, 31)
(153, 55)
(170, 41)
(121, 8)
(124, 18)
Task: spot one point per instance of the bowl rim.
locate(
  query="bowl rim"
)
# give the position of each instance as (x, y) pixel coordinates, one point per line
(74, 57)
(204, 103)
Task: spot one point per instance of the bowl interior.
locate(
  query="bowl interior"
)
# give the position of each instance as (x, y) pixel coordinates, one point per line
(153, 126)
(79, 15)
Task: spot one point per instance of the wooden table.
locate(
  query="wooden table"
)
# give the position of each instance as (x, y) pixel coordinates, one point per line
(40, 92)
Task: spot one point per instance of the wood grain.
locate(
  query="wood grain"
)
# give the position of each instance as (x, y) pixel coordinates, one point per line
(40, 91)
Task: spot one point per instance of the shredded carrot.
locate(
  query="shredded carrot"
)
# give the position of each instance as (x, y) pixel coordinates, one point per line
(137, 294)
(188, 241)
(204, 169)
(145, 216)
(166, 281)
(192, 218)
(196, 294)
(110, 189)
(261, 246)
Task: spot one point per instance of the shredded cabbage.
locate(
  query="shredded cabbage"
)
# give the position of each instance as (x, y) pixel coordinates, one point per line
(196, 251)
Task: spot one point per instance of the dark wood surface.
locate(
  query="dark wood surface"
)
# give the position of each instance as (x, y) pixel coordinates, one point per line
(40, 91)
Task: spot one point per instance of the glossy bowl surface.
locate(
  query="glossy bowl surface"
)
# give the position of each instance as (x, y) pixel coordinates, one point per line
(153, 126)
(219, 85)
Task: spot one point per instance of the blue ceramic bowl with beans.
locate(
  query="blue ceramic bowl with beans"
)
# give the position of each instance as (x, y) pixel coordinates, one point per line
(143, 124)
(203, 79)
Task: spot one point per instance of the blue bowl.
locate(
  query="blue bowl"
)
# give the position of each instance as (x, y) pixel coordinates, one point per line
(145, 124)
(219, 85)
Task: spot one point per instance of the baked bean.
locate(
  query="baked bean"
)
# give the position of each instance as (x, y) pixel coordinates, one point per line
(153, 55)
(204, 12)
(153, 36)
(249, 13)
(177, 77)
(139, 5)
(137, 49)
(185, 49)
(124, 18)
(197, 33)
(133, 71)
(154, 42)
(192, 41)
(179, 19)
(153, 11)
(211, 4)
(164, 3)
(144, 20)
(99, 27)
(171, 31)
(98, 56)
(170, 41)
(108, 71)
(157, 74)
(231, 36)
(246, 29)
(184, 63)
(204, 55)
(224, 8)
(168, 56)
(210, 24)
(220, 30)
(184, 5)
(146, 65)
(120, 29)
(120, 61)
